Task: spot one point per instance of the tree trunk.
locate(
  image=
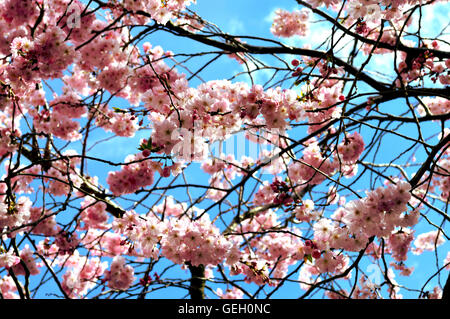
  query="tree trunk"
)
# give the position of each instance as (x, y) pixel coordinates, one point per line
(197, 287)
(446, 293)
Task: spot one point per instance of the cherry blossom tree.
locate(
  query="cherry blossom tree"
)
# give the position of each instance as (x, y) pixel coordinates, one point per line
(121, 175)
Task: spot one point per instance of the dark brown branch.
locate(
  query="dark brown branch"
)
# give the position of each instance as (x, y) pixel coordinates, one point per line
(426, 165)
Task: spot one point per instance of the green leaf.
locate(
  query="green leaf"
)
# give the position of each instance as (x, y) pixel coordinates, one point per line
(309, 258)
(117, 110)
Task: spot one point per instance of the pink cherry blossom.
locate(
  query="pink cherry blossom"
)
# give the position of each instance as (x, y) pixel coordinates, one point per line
(428, 241)
(119, 276)
(8, 259)
(287, 24)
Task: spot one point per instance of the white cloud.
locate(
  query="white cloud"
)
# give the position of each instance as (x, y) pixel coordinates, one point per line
(235, 26)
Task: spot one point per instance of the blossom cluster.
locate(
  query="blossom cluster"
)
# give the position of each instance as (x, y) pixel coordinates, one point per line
(428, 241)
(78, 280)
(160, 11)
(378, 213)
(144, 233)
(351, 148)
(15, 213)
(120, 276)
(8, 288)
(137, 173)
(287, 24)
(196, 242)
